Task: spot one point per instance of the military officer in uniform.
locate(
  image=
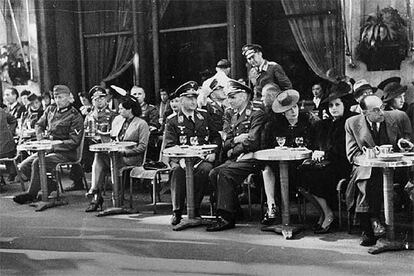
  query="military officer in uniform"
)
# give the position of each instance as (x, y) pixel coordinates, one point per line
(151, 116)
(61, 122)
(190, 126)
(242, 138)
(98, 123)
(264, 71)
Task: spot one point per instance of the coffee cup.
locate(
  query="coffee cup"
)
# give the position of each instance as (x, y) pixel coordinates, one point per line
(370, 153)
(384, 149)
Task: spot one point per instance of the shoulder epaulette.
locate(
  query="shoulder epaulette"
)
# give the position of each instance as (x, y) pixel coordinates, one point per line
(151, 105)
(201, 109)
(271, 63)
(171, 115)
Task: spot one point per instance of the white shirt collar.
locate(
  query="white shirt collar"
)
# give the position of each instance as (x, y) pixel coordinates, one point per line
(316, 101)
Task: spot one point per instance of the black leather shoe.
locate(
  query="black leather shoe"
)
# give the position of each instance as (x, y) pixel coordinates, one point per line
(270, 217)
(23, 198)
(176, 218)
(378, 228)
(220, 225)
(367, 239)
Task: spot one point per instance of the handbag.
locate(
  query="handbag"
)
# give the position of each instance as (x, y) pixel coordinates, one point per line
(154, 165)
(310, 164)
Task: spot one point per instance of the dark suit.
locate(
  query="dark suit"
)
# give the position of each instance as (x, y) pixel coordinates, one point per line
(228, 176)
(7, 145)
(178, 131)
(367, 180)
(17, 110)
(151, 116)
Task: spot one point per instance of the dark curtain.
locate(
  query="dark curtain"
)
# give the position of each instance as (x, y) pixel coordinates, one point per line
(317, 28)
(107, 57)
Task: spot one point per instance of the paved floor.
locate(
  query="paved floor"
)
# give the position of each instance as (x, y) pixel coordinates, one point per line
(68, 241)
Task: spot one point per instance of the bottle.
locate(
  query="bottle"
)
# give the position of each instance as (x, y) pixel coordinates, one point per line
(91, 126)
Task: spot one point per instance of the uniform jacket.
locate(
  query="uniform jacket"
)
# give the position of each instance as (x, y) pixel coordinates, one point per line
(17, 110)
(251, 121)
(269, 72)
(32, 116)
(137, 131)
(179, 129)
(150, 115)
(6, 138)
(216, 113)
(102, 118)
(66, 125)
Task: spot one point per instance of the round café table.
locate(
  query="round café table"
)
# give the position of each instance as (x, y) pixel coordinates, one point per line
(190, 155)
(283, 156)
(41, 147)
(113, 149)
(387, 167)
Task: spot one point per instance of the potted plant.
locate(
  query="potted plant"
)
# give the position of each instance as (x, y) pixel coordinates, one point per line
(383, 41)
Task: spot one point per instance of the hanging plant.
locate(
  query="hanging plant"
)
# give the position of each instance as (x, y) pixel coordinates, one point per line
(383, 32)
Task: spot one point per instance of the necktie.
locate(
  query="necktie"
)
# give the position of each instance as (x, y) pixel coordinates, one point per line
(191, 118)
(375, 133)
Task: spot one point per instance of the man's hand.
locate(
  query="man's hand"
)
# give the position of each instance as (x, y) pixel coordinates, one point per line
(182, 163)
(318, 155)
(240, 138)
(405, 145)
(211, 157)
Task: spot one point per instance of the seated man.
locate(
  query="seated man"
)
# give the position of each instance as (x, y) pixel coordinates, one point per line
(245, 122)
(7, 145)
(101, 118)
(190, 125)
(373, 127)
(61, 122)
(127, 126)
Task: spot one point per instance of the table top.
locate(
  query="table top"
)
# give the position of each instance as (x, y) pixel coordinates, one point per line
(362, 161)
(189, 151)
(112, 146)
(38, 145)
(282, 154)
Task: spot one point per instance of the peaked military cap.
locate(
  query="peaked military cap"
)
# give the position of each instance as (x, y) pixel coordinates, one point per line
(187, 89)
(97, 91)
(249, 49)
(234, 87)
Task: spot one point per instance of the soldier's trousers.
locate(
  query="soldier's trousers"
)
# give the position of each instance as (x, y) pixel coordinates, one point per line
(227, 177)
(30, 167)
(178, 185)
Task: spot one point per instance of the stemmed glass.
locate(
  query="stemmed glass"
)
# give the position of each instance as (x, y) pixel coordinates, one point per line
(299, 141)
(281, 141)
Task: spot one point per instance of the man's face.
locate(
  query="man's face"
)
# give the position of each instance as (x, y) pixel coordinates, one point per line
(219, 94)
(164, 96)
(99, 102)
(175, 104)
(62, 100)
(189, 103)
(292, 113)
(24, 99)
(365, 92)
(138, 93)
(317, 91)
(375, 109)
(35, 104)
(9, 97)
(255, 59)
(236, 100)
(268, 97)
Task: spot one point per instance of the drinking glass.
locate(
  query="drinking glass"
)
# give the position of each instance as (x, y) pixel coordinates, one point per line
(299, 141)
(281, 141)
(194, 141)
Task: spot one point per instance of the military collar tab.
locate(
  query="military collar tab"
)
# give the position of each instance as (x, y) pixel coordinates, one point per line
(61, 110)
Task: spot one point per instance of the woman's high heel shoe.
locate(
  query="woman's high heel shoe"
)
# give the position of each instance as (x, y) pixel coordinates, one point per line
(91, 193)
(327, 228)
(94, 205)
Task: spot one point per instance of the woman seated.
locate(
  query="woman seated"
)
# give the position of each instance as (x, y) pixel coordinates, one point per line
(394, 96)
(285, 127)
(125, 127)
(329, 163)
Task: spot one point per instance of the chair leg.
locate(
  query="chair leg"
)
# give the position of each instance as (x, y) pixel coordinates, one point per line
(19, 175)
(154, 195)
(349, 222)
(85, 182)
(130, 192)
(262, 201)
(250, 200)
(299, 204)
(339, 210)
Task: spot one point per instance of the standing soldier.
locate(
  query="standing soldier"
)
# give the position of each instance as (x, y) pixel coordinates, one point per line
(242, 138)
(190, 126)
(61, 122)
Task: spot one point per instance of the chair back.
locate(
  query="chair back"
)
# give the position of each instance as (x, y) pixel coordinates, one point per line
(163, 158)
(79, 150)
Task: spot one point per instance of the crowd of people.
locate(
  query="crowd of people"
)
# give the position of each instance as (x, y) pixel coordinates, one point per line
(238, 116)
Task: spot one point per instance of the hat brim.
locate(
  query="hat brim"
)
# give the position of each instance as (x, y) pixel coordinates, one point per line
(278, 108)
(395, 94)
(334, 97)
(189, 94)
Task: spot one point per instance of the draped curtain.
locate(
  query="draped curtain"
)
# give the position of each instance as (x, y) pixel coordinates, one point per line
(109, 56)
(317, 28)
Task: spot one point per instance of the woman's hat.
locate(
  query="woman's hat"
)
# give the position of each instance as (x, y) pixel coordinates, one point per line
(392, 91)
(382, 84)
(337, 91)
(285, 100)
